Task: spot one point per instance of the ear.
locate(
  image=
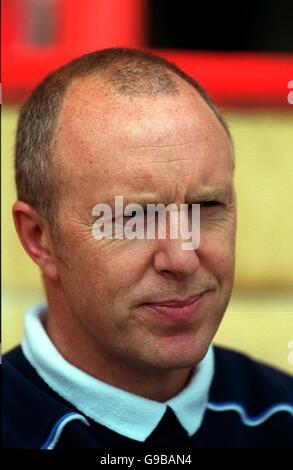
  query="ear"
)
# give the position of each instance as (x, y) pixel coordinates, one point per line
(32, 230)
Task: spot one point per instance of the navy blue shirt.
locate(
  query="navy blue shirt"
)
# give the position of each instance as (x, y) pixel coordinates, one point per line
(250, 405)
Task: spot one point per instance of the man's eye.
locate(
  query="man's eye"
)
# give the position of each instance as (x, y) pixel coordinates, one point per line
(208, 204)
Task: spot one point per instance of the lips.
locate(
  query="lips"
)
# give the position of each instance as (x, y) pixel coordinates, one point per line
(177, 310)
(176, 302)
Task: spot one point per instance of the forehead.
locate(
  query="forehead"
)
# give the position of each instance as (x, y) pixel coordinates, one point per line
(138, 142)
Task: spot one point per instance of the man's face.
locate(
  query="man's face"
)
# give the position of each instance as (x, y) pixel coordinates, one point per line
(174, 149)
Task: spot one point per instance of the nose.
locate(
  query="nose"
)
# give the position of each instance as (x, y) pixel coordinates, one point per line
(170, 258)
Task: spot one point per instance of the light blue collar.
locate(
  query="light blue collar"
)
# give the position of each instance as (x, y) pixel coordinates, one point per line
(125, 413)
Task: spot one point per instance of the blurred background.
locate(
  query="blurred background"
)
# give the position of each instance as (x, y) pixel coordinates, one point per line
(243, 55)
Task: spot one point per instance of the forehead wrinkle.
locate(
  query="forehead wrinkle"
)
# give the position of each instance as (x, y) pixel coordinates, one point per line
(159, 169)
(199, 136)
(200, 156)
(165, 146)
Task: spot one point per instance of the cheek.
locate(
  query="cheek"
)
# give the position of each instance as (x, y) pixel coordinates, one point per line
(109, 269)
(124, 269)
(217, 252)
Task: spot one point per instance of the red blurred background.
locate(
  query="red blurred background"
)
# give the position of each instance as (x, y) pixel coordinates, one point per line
(40, 35)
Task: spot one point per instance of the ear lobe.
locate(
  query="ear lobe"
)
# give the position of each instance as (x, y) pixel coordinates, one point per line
(32, 232)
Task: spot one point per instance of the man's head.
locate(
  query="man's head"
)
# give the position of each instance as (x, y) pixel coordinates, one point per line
(122, 122)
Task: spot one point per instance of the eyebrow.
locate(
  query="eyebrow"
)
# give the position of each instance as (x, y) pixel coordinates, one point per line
(144, 199)
(211, 194)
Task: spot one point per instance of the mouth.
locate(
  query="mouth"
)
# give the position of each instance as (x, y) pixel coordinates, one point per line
(177, 310)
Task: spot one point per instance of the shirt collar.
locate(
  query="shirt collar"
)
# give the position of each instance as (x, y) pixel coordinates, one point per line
(125, 413)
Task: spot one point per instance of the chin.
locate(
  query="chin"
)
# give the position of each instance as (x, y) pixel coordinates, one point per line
(180, 352)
